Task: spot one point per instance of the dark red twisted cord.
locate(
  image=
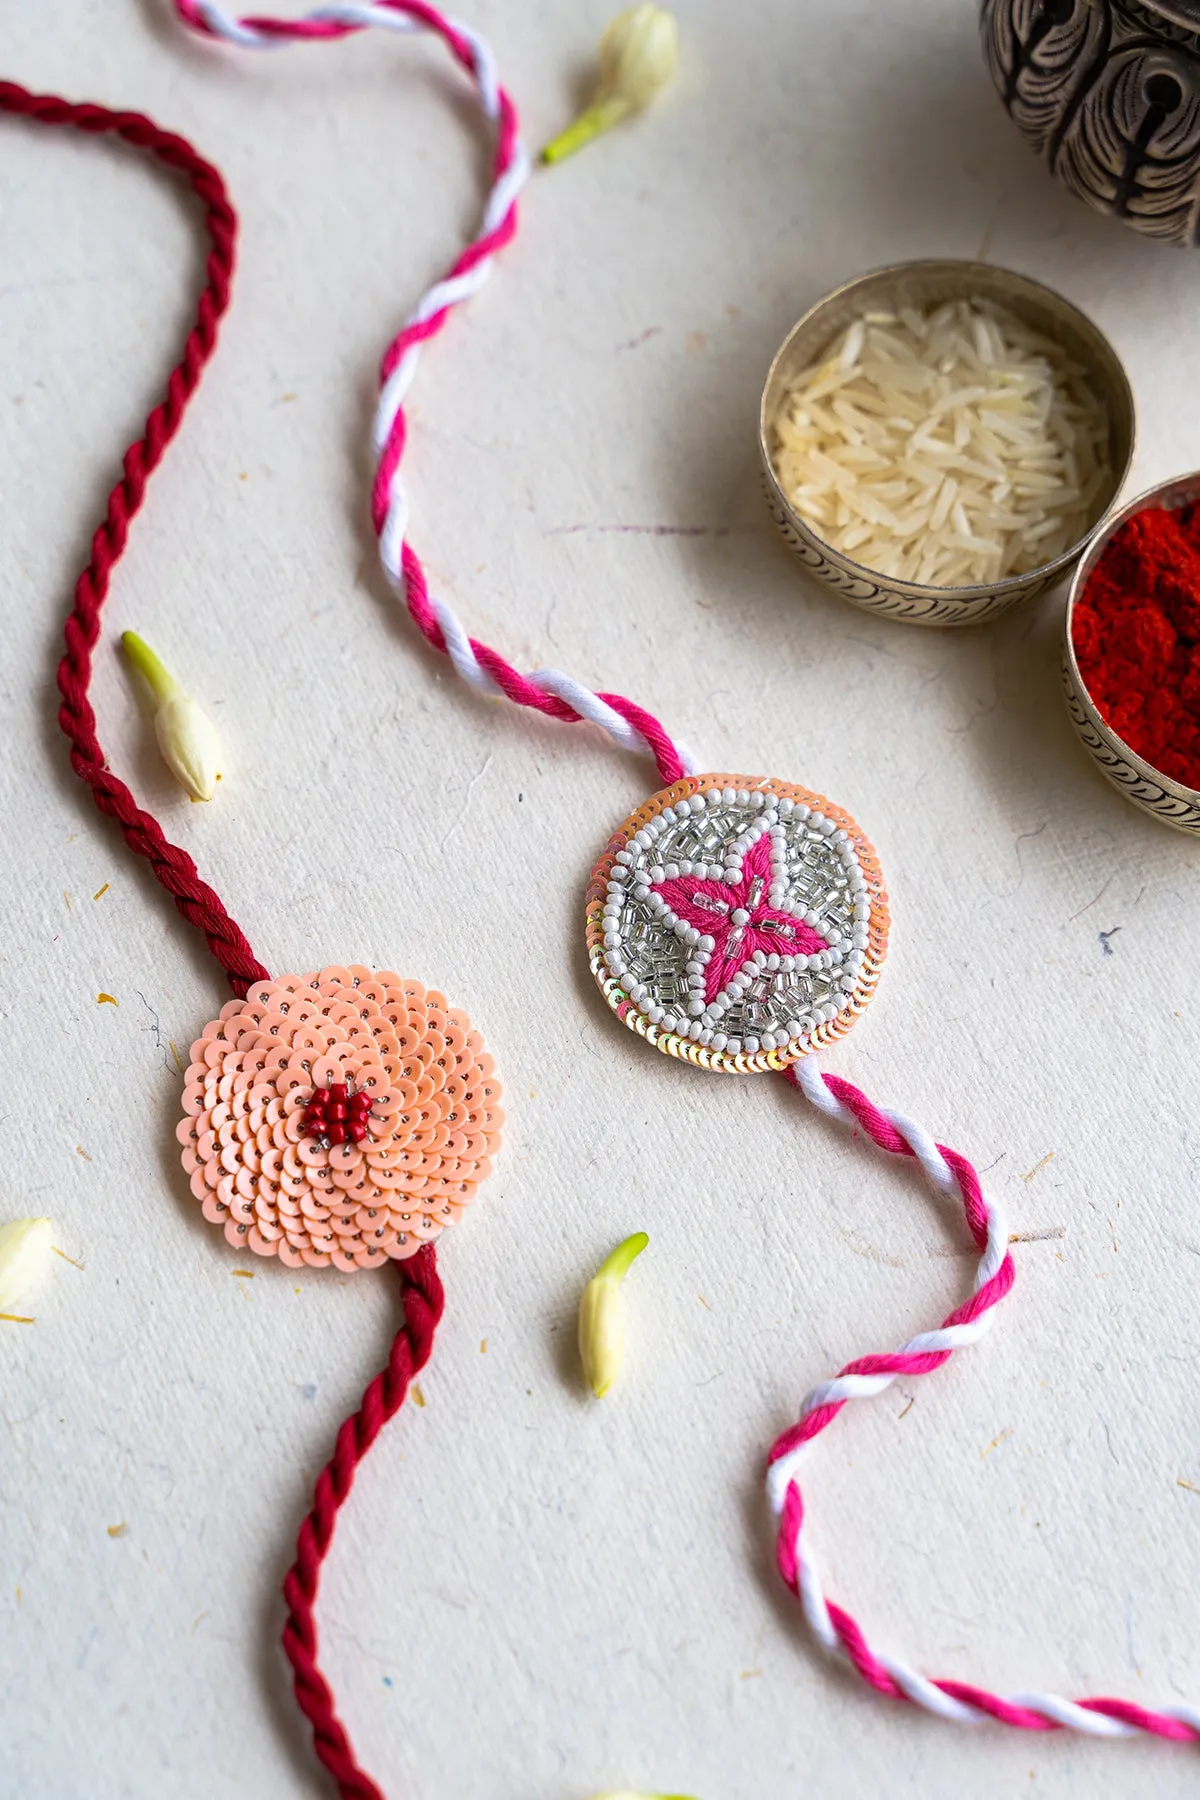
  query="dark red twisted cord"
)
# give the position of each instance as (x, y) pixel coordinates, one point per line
(423, 1294)
(424, 1301)
(172, 866)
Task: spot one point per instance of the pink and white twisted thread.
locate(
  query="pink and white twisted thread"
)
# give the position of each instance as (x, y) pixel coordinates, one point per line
(547, 690)
(835, 1628)
(559, 696)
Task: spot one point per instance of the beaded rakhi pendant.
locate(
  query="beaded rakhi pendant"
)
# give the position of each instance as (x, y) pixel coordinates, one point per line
(737, 922)
(341, 1117)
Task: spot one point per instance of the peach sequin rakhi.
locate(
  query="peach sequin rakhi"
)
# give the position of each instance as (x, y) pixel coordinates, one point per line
(339, 1119)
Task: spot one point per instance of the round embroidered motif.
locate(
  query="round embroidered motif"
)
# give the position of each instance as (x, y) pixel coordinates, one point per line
(279, 1085)
(737, 922)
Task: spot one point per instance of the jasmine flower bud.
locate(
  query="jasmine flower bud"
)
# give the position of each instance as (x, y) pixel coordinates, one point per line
(602, 1319)
(185, 733)
(25, 1250)
(639, 53)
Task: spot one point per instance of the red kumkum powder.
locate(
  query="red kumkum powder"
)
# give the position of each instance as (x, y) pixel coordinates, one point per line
(1136, 632)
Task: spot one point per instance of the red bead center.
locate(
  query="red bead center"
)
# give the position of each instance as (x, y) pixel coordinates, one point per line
(337, 1115)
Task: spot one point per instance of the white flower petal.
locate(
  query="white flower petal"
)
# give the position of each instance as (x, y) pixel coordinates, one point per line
(188, 740)
(25, 1251)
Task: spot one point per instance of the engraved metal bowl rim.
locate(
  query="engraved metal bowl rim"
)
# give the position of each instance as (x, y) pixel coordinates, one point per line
(1179, 490)
(994, 282)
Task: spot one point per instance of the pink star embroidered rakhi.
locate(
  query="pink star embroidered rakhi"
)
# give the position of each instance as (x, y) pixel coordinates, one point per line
(736, 922)
(341, 1118)
(740, 922)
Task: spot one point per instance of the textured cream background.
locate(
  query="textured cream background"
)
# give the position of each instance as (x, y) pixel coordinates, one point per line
(533, 1597)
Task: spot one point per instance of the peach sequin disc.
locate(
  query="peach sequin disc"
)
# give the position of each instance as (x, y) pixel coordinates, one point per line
(433, 1125)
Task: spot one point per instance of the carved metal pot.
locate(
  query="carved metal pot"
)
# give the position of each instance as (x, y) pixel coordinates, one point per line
(1108, 93)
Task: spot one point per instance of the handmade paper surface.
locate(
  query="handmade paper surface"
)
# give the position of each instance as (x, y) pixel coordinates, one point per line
(532, 1596)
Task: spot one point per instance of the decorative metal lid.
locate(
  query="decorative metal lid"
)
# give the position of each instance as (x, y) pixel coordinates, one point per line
(1178, 12)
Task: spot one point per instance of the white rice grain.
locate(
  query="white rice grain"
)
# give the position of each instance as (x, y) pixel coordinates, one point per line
(950, 447)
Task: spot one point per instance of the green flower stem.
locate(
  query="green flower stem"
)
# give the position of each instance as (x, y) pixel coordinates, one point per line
(152, 669)
(600, 116)
(618, 1265)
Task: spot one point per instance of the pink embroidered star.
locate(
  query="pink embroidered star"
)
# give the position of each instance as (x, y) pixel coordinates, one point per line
(740, 919)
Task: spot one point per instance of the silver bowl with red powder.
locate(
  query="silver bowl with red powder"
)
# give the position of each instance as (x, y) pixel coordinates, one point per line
(1157, 793)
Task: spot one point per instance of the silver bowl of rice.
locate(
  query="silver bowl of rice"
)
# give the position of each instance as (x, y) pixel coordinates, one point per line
(940, 440)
